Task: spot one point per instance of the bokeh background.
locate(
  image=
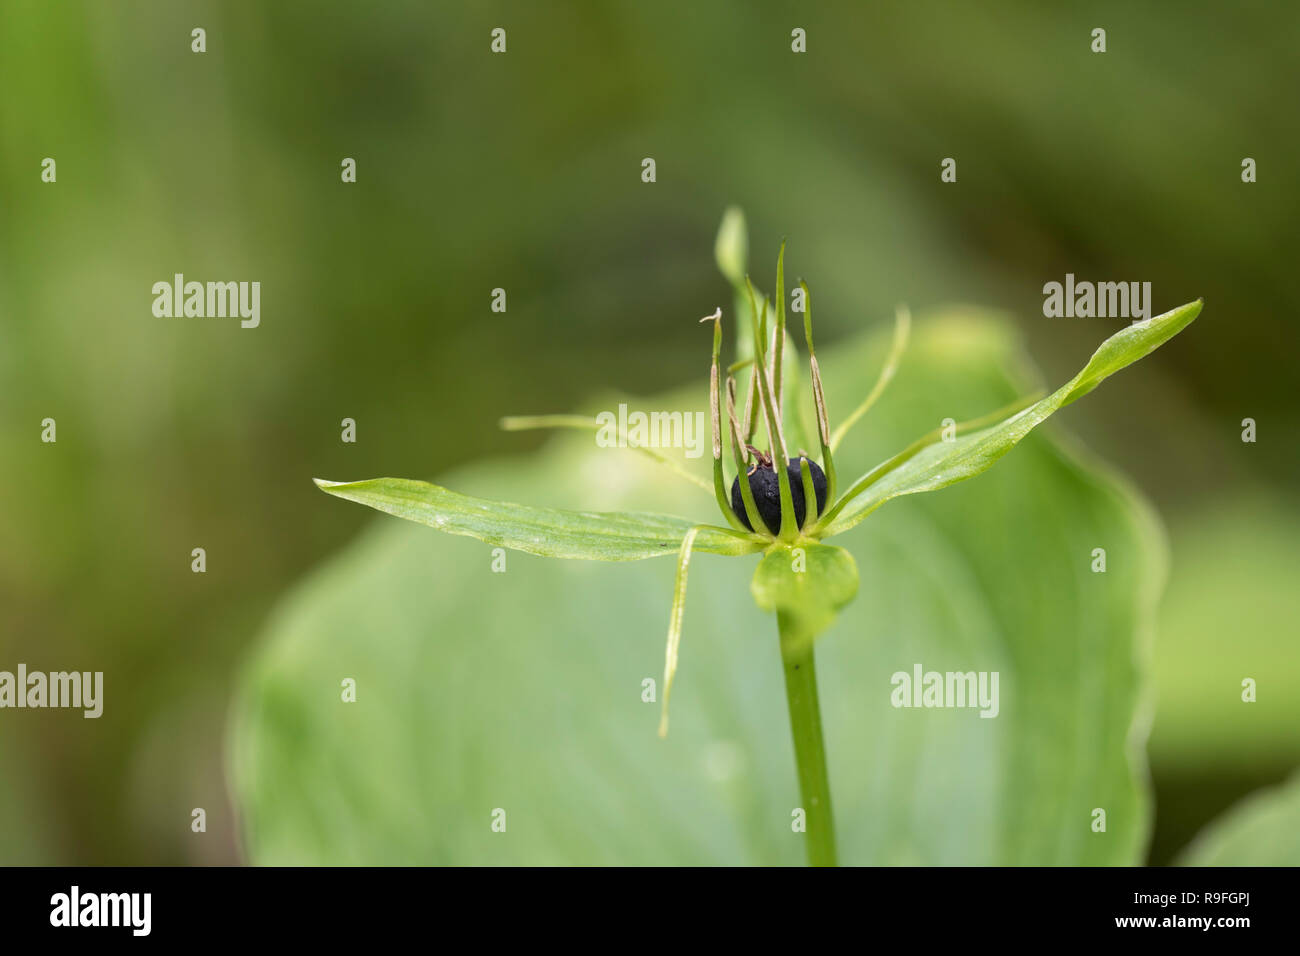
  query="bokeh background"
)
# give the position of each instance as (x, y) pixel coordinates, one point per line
(523, 171)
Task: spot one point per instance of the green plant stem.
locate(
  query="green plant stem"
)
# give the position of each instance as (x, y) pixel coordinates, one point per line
(809, 747)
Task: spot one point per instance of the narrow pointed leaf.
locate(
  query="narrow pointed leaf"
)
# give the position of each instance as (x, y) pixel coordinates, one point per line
(778, 345)
(675, 624)
(948, 462)
(902, 330)
(588, 535)
(731, 247)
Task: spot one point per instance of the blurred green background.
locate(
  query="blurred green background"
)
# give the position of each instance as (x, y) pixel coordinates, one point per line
(522, 171)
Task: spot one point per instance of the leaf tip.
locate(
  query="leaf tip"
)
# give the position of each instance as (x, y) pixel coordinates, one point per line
(1191, 310)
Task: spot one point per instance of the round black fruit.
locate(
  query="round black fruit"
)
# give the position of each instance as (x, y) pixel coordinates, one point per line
(766, 486)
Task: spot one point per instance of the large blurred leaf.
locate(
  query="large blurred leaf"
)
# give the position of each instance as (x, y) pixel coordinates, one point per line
(523, 690)
(1263, 830)
(1228, 616)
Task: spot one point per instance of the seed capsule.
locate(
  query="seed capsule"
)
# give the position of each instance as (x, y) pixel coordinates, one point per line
(766, 486)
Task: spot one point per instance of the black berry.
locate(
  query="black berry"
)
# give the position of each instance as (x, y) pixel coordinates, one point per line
(766, 487)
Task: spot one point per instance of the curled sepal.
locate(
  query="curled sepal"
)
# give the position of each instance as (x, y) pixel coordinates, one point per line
(772, 413)
(807, 584)
(549, 532)
(715, 409)
(738, 449)
(778, 339)
(819, 397)
(809, 493)
(902, 329)
(675, 623)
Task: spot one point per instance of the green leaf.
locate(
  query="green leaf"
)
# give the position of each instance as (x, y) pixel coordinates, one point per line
(524, 690)
(944, 463)
(1262, 830)
(731, 252)
(731, 247)
(808, 583)
(593, 536)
